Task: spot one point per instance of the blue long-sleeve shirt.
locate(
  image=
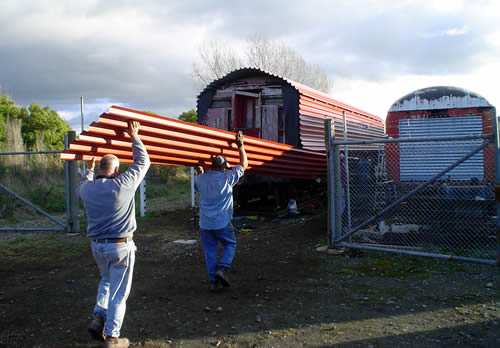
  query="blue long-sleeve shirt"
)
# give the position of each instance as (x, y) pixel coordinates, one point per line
(110, 203)
(216, 197)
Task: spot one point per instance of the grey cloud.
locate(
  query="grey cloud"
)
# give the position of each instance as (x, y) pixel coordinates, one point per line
(348, 40)
(402, 42)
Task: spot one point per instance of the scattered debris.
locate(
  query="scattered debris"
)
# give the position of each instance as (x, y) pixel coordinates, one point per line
(336, 251)
(185, 241)
(322, 248)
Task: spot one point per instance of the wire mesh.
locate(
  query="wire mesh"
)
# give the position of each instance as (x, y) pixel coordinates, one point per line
(452, 214)
(37, 178)
(167, 189)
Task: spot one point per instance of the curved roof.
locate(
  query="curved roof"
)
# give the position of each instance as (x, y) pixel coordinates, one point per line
(307, 95)
(439, 97)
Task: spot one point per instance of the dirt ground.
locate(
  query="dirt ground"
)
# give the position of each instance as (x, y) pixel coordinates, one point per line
(284, 292)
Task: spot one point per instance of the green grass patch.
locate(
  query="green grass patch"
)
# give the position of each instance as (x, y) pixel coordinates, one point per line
(41, 252)
(384, 265)
(175, 188)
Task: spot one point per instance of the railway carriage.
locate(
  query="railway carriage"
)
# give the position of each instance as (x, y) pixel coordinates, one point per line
(271, 107)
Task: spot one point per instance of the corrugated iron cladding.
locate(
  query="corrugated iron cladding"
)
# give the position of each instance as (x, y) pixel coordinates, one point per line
(173, 142)
(312, 134)
(314, 108)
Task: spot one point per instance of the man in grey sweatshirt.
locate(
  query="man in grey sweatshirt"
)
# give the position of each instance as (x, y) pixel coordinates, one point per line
(110, 205)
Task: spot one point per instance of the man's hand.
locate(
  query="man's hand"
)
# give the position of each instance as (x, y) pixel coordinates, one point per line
(239, 139)
(91, 164)
(199, 169)
(133, 128)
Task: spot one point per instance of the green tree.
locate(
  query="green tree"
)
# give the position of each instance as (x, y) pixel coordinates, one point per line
(189, 116)
(7, 109)
(46, 124)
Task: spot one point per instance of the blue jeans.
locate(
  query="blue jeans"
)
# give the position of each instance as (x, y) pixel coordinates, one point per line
(116, 265)
(209, 239)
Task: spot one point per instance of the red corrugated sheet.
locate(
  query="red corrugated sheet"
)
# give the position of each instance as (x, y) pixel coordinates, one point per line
(173, 142)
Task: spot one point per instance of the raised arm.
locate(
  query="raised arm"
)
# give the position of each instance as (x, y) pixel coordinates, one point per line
(241, 149)
(136, 172)
(89, 175)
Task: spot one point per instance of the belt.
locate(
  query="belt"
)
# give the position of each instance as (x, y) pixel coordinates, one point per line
(113, 240)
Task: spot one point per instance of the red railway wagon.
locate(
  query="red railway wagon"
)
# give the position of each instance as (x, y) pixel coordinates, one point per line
(271, 107)
(439, 111)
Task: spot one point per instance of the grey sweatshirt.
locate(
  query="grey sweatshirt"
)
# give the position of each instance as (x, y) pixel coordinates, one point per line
(110, 203)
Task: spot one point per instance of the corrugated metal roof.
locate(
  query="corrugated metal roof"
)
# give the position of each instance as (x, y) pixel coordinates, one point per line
(173, 142)
(317, 105)
(439, 97)
(308, 94)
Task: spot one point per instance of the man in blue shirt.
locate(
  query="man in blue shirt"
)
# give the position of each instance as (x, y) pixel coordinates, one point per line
(109, 202)
(216, 211)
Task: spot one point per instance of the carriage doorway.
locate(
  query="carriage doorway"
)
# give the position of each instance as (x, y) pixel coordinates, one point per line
(246, 112)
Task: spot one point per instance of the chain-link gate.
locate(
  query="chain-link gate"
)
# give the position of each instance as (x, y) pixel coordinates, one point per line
(32, 191)
(428, 196)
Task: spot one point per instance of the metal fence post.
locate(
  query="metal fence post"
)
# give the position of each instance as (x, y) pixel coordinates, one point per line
(347, 207)
(497, 178)
(72, 186)
(333, 184)
(329, 180)
(66, 184)
(142, 197)
(337, 188)
(192, 187)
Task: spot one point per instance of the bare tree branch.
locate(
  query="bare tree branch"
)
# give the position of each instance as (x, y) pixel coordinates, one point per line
(218, 59)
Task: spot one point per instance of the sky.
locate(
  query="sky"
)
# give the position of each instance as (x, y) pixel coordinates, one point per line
(140, 54)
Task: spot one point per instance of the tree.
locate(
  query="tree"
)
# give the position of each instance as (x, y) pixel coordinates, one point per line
(189, 116)
(217, 59)
(46, 124)
(8, 109)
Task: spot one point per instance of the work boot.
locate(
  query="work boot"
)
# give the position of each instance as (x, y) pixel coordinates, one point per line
(215, 286)
(221, 276)
(115, 342)
(96, 327)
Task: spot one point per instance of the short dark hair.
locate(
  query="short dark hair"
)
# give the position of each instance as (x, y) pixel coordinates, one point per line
(220, 162)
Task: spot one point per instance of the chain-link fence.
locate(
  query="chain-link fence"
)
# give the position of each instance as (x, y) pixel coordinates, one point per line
(167, 189)
(32, 191)
(430, 197)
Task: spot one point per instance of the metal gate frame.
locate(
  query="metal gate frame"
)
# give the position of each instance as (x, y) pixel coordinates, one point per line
(28, 203)
(337, 239)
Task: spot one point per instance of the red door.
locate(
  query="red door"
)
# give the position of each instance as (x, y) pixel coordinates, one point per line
(245, 116)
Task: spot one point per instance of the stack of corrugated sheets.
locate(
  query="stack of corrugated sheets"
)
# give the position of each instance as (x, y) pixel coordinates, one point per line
(173, 142)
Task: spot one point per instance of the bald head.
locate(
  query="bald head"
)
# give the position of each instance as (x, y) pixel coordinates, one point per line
(109, 165)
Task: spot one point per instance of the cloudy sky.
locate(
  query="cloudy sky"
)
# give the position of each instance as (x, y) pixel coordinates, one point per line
(139, 54)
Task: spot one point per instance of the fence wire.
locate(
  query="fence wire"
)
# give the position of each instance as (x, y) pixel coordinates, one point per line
(451, 214)
(32, 184)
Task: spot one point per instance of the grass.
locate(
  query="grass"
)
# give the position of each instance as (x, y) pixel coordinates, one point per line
(41, 252)
(175, 188)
